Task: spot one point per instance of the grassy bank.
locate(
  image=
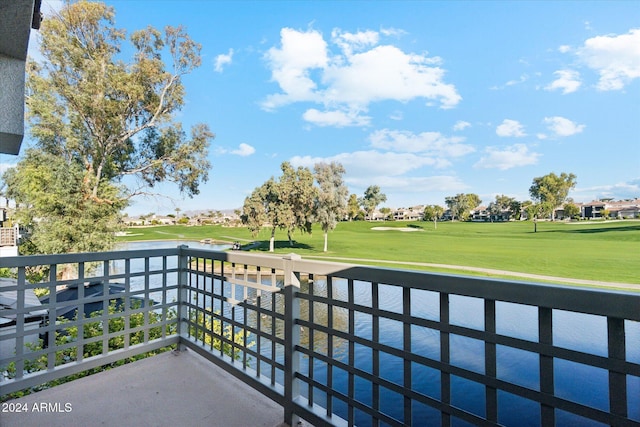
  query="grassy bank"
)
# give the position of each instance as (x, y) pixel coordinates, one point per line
(604, 251)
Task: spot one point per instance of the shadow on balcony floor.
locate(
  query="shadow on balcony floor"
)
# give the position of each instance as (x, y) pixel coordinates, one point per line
(171, 389)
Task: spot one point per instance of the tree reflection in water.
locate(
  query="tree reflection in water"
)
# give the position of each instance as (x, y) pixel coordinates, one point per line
(320, 313)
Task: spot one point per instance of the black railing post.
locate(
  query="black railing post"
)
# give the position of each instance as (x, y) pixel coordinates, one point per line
(490, 360)
(617, 380)
(183, 296)
(291, 338)
(445, 358)
(547, 381)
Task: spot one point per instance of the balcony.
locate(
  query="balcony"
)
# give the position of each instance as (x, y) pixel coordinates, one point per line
(8, 240)
(322, 343)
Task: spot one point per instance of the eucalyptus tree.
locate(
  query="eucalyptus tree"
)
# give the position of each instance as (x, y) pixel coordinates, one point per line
(297, 196)
(263, 208)
(286, 203)
(353, 207)
(331, 201)
(551, 191)
(254, 211)
(499, 205)
(433, 213)
(373, 196)
(461, 204)
(571, 210)
(51, 197)
(107, 116)
(516, 209)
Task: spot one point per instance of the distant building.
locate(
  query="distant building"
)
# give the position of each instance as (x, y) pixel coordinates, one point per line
(9, 236)
(375, 216)
(619, 209)
(414, 213)
(483, 214)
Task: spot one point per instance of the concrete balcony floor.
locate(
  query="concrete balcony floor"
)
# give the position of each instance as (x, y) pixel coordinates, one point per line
(170, 389)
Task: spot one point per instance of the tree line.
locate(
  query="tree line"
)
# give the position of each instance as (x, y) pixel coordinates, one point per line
(293, 201)
(547, 193)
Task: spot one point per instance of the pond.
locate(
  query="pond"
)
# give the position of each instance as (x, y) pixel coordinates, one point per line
(161, 244)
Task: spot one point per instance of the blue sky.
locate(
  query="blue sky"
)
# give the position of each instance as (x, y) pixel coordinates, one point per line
(425, 99)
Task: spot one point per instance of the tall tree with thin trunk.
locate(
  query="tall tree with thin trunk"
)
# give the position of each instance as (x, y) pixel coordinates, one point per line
(571, 210)
(254, 213)
(298, 195)
(371, 199)
(461, 204)
(433, 213)
(331, 203)
(353, 207)
(111, 116)
(551, 190)
(501, 204)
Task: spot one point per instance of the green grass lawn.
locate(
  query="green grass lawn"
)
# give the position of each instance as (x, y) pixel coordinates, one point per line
(598, 250)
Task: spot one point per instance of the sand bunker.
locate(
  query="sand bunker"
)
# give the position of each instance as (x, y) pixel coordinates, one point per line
(395, 229)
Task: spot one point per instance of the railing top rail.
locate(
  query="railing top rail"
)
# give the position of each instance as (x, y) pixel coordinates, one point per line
(263, 260)
(32, 260)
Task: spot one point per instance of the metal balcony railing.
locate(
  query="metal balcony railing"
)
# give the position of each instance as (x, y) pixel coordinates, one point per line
(340, 344)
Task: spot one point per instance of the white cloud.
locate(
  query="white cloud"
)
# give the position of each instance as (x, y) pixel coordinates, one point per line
(387, 73)
(389, 170)
(350, 42)
(362, 72)
(432, 143)
(335, 118)
(461, 125)
(561, 126)
(616, 58)
(564, 48)
(510, 128)
(244, 150)
(567, 80)
(392, 32)
(397, 115)
(618, 191)
(400, 160)
(509, 157)
(371, 164)
(523, 78)
(222, 60)
(414, 184)
(290, 66)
